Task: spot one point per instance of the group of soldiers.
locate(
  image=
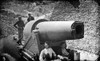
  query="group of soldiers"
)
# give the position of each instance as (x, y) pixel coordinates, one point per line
(47, 54)
(20, 26)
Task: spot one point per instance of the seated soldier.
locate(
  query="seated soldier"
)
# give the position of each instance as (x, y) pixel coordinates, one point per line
(47, 54)
(65, 54)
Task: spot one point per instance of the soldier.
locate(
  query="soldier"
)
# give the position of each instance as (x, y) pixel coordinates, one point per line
(47, 54)
(64, 53)
(30, 18)
(20, 26)
(64, 50)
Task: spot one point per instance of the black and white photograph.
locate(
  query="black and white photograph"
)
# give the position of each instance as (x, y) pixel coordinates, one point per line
(49, 30)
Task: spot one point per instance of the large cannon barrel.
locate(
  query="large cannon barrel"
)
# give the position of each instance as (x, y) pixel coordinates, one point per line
(60, 30)
(56, 30)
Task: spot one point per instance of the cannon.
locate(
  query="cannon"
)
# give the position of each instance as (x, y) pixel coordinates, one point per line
(39, 31)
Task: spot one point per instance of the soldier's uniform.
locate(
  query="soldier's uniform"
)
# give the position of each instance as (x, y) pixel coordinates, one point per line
(47, 55)
(64, 53)
(20, 26)
(30, 18)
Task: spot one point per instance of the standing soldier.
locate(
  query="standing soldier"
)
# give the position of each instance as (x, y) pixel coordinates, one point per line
(20, 26)
(30, 17)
